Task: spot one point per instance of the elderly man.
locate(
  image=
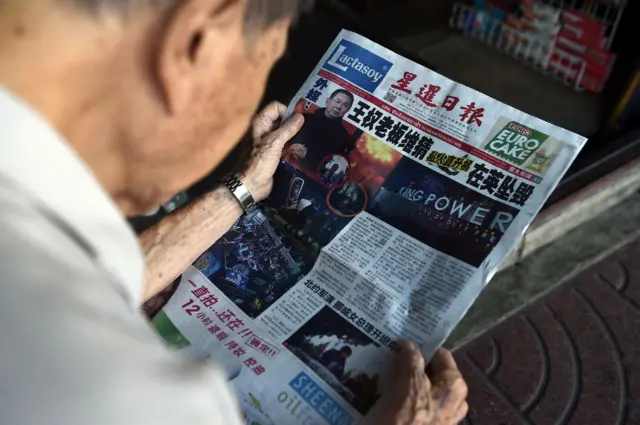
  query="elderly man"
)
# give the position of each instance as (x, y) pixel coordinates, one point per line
(108, 108)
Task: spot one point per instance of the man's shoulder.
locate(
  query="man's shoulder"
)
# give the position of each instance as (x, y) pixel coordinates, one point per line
(50, 270)
(39, 248)
(77, 238)
(26, 221)
(61, 316)
(33, 237)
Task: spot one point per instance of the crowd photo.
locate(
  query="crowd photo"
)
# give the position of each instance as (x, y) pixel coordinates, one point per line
(253, 264)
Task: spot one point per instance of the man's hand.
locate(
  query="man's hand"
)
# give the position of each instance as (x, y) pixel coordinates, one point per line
(432, 396)
(173, 244)
(269, 138)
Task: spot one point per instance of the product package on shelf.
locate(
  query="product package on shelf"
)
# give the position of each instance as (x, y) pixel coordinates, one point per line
(570, 44)
(585, 38)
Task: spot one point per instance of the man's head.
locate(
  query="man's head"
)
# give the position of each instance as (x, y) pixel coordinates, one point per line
(338, 104)
(152, 94)
(298, 151)
(346, 351)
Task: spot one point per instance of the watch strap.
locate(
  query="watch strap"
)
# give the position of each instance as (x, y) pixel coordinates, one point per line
(240, 192)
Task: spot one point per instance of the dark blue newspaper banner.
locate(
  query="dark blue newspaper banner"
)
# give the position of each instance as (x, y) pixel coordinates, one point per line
(358, 65)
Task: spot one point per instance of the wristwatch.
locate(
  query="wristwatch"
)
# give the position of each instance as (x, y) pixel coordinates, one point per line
(241, 192)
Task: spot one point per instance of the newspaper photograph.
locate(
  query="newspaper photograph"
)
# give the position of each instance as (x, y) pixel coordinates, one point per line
(391, 209)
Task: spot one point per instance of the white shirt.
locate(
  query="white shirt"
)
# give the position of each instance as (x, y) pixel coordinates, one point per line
(74, 349)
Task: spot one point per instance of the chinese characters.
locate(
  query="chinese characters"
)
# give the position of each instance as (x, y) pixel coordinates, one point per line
(227, 328)
(391, 130)
(496, 183)
(427, 94)
(316, 91)
(458, 163)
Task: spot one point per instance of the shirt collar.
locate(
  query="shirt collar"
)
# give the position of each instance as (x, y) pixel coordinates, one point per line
(42, 163)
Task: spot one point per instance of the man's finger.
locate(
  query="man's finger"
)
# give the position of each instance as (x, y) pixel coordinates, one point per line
(274, 111)
(443, 360)
(268, 118)
(284, 133)
(461, 413)
(450, 391)
(409, 400)
(452, 381)
(409, 359)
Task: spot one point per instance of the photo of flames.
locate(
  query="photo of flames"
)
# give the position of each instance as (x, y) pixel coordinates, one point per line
(371, 163)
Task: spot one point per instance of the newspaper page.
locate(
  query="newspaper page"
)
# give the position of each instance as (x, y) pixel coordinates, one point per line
(391, 210)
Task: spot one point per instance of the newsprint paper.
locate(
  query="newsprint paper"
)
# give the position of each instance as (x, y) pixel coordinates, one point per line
(391, 210)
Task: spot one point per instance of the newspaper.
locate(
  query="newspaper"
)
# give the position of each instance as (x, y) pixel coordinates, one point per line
(391, 210)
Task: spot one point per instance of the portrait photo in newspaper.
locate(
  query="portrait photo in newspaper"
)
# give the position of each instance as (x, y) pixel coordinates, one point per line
(324, 132)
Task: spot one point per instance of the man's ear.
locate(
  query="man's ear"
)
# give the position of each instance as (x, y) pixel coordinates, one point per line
(327, 102)
(186, 46)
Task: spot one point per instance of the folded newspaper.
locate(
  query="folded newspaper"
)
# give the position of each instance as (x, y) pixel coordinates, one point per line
(391, 210)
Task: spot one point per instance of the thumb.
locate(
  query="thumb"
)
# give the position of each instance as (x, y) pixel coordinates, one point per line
(408, 401)
(285, 132)
(409, 360)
